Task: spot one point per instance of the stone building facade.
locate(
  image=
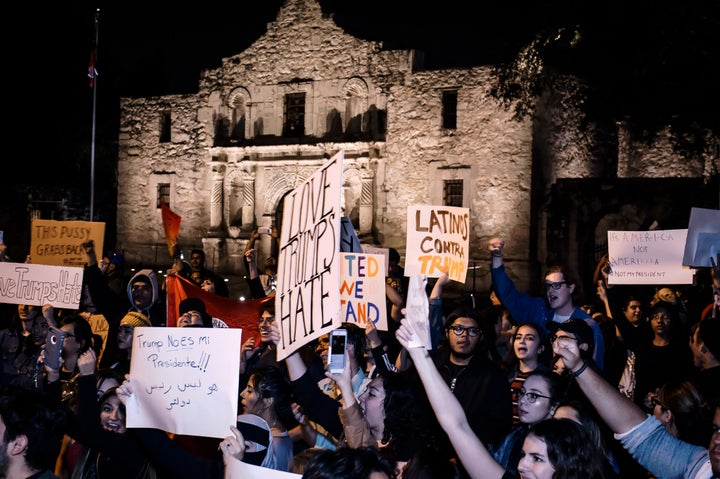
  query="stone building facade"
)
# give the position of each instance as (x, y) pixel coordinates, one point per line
(268, 117)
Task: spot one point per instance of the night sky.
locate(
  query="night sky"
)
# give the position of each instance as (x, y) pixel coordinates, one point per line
(161, 49)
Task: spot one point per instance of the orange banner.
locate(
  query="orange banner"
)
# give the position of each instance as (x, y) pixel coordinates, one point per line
(234, 313)
(171, 224)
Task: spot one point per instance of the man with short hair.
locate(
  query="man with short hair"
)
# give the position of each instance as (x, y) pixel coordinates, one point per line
(557, 305)
(31, 433)
(478, 383)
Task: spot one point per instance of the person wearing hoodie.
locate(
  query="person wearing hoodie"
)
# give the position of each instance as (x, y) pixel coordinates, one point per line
(144, 296)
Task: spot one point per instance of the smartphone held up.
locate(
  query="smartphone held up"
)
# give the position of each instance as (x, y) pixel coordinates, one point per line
(53, 347)
(338, 345)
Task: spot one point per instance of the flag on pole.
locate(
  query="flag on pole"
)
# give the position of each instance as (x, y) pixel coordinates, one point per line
(171, 224)
(92, 71)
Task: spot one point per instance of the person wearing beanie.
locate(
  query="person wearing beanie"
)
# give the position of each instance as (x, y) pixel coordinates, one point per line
(143, 295)
(126, 330)
(192, 313)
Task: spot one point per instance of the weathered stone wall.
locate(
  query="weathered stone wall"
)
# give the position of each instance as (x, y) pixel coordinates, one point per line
(509, 168)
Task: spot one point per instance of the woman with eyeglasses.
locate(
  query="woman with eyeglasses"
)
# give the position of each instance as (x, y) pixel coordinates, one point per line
(530, 351)
(537, 399)
(551, 449)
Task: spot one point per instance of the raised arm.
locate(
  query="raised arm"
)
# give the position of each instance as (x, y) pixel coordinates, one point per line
(475, 457)
(618, 412)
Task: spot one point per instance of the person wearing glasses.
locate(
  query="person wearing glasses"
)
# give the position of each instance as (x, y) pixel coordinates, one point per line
(552, 448)
(557, 305)
(479, 384)
(538, 398)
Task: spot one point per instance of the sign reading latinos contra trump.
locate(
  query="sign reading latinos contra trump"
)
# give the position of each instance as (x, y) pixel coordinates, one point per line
(59, 243)
(307, 296)
(648, 257)
(438, 240)
(179, 374)
(362, 289)
(40, 284)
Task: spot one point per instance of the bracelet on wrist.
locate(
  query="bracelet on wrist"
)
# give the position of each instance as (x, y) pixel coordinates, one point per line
(574, 374)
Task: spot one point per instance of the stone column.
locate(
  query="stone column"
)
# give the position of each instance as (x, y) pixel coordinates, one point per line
(366, 206)
(216, 201)
(248, 207)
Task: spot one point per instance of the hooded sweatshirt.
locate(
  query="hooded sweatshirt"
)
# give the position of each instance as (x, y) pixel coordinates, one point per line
(155, 311)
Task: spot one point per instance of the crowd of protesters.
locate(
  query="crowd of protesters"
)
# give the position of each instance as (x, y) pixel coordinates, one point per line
(525, 387)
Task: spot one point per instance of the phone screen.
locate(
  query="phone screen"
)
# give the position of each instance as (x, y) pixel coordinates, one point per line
(338, 340)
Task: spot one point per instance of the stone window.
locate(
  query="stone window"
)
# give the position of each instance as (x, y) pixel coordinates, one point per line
(165, 124)
(449, 109)
(294, 115)
(453, 193)
(163, 194)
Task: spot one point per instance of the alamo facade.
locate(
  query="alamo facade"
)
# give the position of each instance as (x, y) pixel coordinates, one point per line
(268, 117)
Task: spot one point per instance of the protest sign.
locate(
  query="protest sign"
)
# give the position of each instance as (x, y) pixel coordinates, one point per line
(362, 289)
(185, 380)
(40, 284)
(377, 250)
(703, 238)
(59, 243)
(438, 240)
(418, 311)
(648, 257)
(307, 297)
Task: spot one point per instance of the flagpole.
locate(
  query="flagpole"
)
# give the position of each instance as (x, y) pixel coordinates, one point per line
(92, 73)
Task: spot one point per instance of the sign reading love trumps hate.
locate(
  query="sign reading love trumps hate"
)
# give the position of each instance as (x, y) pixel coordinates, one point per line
(362, 289)
(307, 295)
(438, 240)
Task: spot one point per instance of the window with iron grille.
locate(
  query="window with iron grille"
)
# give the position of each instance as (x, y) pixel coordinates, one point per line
(163, 194)
(294, 115)
(453, 193)
(449, 109)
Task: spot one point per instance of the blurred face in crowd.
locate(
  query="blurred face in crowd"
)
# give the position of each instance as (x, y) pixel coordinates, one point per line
(323, 347)
(661, 322)
(534, 461)
(196, 261)
(27, 312)
(104, 384)
(695, 347)
(112, 415)
(142, 294)
(70, 346)
(463, 336)
(714, 449)
(372, 404)
(39, 330)
(251, 399)
(527, 344)
(534, 402)
(266, 321)
(562, 296)
(633, 312)
(125, 336)
(190, 318)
